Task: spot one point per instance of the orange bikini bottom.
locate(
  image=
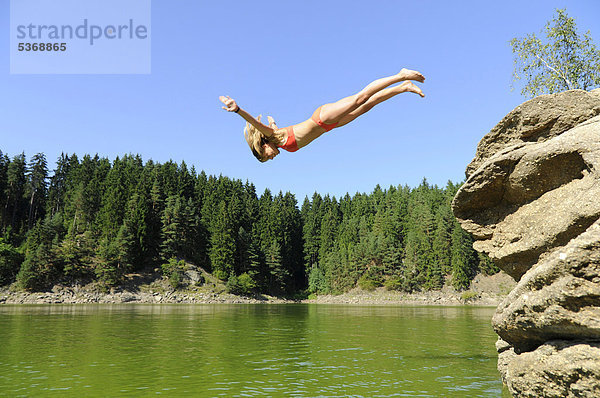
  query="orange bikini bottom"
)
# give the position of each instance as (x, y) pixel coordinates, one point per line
(291, 145)
(316, 117)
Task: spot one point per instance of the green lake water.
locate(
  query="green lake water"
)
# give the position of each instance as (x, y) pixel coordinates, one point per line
(263, 350)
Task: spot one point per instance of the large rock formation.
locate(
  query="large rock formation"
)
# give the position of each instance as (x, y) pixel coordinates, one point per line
(532, 202)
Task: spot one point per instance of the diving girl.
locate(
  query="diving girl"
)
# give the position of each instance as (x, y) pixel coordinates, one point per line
(265, 141)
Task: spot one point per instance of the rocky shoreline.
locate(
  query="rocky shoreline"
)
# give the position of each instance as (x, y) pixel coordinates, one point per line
(485, 291)
(382, 297)
(155, 289)
(70, 295)
(359, 297)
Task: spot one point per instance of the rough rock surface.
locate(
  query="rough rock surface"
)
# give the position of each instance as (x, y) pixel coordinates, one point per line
(537, 120)
(529, 198)
(557, 369)
(557, 299)
(532, 202)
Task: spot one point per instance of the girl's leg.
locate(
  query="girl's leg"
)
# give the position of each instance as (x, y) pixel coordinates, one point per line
(378, 98)
(333, 113)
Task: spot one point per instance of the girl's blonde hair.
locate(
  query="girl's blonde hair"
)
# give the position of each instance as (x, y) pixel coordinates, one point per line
(255, 140)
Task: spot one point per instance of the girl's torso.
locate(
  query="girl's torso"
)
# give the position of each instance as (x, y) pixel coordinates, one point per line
(305, 132)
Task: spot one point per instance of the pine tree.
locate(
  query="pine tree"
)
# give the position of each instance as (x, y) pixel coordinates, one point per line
(36, 187)
(329, 226)
(154, 216)
(179, 229)
(311, 230)
(10, 262)
(222, 244)
(278, 275)
(442, 240)
(37, 272)
(135, 229)
(114, 257)
(255, 264)
(461, 259)
(292, 246)
(316, 280)
(40, 268)
(76, 255)
(486, 265)
(4, 163)
(84, 192)
(114, 199)
(185, 182)
(15, 205)
(418, 253)
(58, 185)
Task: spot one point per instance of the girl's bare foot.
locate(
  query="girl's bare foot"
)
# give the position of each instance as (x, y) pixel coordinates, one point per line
(410, 87)
(407, 74)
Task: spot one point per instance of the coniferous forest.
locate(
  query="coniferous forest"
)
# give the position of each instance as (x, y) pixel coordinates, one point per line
(91, 219)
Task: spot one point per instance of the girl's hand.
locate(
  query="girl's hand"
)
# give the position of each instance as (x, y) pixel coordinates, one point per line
(272, 123)
(230, 105)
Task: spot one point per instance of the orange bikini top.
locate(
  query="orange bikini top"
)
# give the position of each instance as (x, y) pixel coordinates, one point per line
(290, 144)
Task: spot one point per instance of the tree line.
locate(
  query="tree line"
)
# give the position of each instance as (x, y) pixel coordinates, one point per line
(97, 220)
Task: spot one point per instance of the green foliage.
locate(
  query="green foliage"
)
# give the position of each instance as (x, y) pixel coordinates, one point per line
(10, 262)
(565, 60)
(38, 271)
(222, 243)
(36, 187)
(368, 283)
(14, 212)
(248, 285)
(113, 258)
(97, 219)
(462, 259)
(394, 283)
(316, 280)
(486, 265)
(243, 284)
(41, 268)
(400, 236)
(220, 275)
(179, 228)
(174, 270)
(468, 295)
(175, 280)
(76, 254)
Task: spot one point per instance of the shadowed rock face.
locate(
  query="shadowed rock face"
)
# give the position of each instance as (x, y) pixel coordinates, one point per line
(532, 202)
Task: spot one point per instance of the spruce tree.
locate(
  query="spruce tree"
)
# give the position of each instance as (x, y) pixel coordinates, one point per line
(461, 259)
(36, 187)
(278, 275)
(15, 204)
(58, 185)
(222, 244)
(10, 262)
(311, 230)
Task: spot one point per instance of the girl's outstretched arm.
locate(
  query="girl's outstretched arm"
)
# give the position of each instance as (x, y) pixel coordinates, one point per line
(231, 106)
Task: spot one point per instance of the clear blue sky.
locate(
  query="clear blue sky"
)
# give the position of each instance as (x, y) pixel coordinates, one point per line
(284, 58)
